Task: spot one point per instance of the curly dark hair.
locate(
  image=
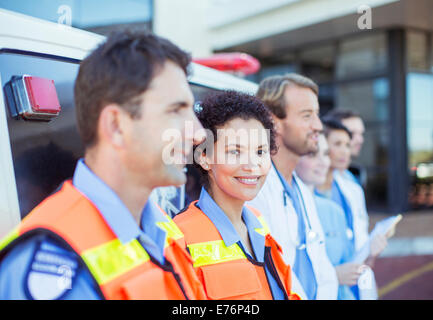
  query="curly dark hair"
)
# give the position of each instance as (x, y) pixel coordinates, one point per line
(218, 108)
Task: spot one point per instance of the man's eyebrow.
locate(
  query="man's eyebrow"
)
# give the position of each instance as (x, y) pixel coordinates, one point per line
(181, 103)
(307, 109)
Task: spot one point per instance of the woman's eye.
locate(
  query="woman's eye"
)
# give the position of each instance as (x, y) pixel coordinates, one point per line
(234, 152)
(262, 152)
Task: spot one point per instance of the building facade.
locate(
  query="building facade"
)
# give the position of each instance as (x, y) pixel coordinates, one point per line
(374, 57)
(371, 56)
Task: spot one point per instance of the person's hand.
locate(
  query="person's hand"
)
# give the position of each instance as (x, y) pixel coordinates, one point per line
(377, 245)
(348, 273)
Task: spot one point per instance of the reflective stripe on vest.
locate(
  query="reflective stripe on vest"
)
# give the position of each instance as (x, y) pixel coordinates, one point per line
(122, 271)
(264, 230)
(112, 259)
(11, 236)
(171, 229)
(212, 252)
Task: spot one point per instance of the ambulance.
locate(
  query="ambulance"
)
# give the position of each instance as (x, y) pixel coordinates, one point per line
(39, 141)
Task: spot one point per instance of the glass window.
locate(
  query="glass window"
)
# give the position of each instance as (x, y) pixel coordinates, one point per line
(318, 63)
(361, 55)
(44, 153)
(420, 118)
(417, 52)
(420, 138)
(370, 99)
(92, 15)
(276, 70)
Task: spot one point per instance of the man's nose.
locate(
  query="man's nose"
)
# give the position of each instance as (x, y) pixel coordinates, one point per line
(317, 124)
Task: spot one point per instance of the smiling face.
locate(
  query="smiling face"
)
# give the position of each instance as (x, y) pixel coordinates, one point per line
(339, 149)
(300, 129)
(312, 168)
(240, 162)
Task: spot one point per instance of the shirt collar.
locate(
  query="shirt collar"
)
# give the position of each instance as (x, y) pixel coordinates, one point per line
(149, 219)
(226, 229)
(112, 209)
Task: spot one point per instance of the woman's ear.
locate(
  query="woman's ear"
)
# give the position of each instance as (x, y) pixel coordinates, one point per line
(204, 162)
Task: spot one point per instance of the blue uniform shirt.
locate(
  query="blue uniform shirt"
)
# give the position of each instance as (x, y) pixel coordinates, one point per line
(338, 245)
(43, 268)
(229, 235)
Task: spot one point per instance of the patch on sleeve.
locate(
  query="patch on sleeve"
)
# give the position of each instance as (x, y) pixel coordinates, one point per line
(50, 275)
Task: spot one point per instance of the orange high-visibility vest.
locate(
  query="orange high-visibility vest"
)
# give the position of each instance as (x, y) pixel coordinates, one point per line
(122, 271)
(226, 272)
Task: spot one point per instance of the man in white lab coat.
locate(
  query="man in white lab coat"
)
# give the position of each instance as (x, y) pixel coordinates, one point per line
(285, 202)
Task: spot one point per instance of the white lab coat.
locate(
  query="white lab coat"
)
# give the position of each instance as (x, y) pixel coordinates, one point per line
(283, 224)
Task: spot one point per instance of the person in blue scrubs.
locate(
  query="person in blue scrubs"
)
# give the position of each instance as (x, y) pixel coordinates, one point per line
(313, 169)
(234, 162)
(352, 121)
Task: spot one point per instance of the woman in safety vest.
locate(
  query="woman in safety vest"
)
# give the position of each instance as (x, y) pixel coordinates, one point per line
(233, 252)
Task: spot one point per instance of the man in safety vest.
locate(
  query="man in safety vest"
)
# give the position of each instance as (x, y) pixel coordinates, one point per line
(99, 237)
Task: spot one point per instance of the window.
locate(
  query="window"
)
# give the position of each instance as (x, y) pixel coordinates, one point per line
(99, 16)
(362, 55)
(44, 153)
(420, 139)
(417, 53)
(318, 63)
(369, 98)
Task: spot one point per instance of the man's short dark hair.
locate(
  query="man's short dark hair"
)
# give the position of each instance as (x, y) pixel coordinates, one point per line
(341, 114)
(119, 71)
(332, 124)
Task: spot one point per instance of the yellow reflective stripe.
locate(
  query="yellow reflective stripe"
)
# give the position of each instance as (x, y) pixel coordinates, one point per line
(112, 259)
(11, 236)
(213, 252)
(264, 230)
(171, 229)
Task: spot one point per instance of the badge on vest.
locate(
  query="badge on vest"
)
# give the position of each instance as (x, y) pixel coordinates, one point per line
(50, 275)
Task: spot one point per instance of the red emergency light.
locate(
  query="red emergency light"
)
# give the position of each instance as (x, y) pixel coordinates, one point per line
(33, 98)
(231, 62)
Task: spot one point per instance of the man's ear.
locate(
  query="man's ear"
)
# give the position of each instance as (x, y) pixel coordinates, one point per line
(277, 125)
(112, 125)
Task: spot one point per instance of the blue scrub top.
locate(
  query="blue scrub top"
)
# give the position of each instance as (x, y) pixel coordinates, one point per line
(31, 269)
(229, 235)
(338, 246)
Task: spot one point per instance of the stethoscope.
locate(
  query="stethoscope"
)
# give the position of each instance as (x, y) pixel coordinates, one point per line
(311, 235)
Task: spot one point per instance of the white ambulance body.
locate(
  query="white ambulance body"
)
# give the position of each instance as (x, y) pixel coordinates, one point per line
(37, 156)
